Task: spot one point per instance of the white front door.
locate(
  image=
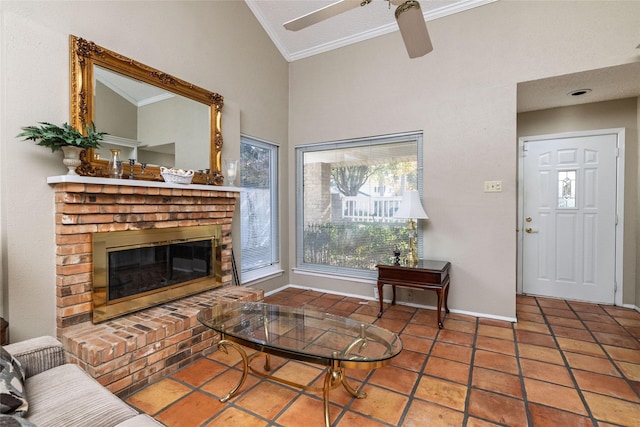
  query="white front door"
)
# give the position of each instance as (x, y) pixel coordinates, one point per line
(569, 217)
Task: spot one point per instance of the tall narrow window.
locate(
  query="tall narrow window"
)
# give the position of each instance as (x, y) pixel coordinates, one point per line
(258, 206)
(347, 194)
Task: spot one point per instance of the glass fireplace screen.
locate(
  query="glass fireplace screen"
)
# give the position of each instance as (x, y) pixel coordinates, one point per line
(142, 270)
(136, 269)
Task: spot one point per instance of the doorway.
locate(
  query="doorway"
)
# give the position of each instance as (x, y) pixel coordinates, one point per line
(570, 230)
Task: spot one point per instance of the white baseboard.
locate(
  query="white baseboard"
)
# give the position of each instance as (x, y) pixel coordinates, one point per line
(426, 307)
(634, 307)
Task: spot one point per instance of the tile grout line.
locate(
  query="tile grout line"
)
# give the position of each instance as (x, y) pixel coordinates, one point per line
(525, 400)
(411, 395)
(566, 362)
(467, 400)
(612, 360)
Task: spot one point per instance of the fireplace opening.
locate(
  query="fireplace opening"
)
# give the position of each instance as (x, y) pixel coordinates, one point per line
(140, 270)
(137, 269)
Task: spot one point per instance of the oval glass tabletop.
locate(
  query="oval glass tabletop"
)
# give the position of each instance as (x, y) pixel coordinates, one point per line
(303, 334)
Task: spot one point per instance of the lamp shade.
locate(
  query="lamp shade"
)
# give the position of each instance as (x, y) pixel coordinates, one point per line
(410, 206)
(413, 29)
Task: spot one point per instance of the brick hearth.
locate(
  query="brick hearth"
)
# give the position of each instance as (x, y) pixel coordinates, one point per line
(126, 353)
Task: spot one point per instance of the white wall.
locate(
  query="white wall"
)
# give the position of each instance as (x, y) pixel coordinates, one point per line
(463, 97)
(215, 45)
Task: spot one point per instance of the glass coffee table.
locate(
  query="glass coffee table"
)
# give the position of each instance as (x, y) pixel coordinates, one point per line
(304, 335)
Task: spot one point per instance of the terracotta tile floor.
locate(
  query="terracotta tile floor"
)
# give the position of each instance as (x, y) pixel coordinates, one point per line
(563, 364)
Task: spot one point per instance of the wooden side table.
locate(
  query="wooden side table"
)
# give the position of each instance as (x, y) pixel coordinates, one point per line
(429, 275)
(4, 332)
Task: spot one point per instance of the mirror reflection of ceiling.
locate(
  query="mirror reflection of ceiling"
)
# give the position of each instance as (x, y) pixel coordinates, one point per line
(136, 92)
(148, 123)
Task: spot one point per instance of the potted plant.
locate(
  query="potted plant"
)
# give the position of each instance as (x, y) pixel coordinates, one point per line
(66, 138)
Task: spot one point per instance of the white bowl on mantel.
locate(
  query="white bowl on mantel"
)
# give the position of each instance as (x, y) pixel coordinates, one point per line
(176, 176)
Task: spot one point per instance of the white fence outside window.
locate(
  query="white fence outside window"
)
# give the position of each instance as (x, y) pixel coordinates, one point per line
(369, 208)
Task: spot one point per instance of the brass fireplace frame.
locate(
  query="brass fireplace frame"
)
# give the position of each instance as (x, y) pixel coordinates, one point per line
(105, 242)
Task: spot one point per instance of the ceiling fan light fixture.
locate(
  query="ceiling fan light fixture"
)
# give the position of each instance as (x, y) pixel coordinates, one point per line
(413, 29)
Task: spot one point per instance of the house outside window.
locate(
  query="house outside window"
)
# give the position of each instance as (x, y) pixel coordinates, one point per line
(258, 208)
(347, 194)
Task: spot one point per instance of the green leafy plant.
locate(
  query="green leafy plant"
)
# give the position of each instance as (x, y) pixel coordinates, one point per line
(54, 136)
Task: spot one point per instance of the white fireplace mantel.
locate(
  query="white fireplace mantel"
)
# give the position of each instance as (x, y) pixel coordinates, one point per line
(78, 179)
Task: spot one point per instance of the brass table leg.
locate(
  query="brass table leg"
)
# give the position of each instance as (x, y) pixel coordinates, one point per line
(331, 379)
(222, 345)
(328, 381)
(267, 362)
(355, 393)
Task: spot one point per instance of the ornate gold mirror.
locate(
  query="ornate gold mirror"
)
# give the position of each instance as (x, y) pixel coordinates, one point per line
(99, 71)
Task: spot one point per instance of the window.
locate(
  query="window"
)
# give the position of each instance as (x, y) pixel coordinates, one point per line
(258, 206)
(567, 189)
(347, 194)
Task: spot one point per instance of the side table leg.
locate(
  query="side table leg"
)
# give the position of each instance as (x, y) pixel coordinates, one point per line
(380, 285)
(440, 298)
(446, 298)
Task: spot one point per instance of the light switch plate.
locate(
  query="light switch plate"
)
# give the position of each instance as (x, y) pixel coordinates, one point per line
(492, 186)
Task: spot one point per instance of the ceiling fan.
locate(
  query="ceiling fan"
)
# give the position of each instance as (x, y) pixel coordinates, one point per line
(413, 27)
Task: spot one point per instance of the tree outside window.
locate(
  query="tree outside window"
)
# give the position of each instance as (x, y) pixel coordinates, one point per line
(349, 192)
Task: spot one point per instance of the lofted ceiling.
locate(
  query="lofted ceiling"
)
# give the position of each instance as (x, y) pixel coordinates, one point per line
(362, 23)
(377, 18)
(616, 82)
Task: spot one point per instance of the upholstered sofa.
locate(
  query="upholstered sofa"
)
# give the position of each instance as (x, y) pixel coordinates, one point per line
(60, 394)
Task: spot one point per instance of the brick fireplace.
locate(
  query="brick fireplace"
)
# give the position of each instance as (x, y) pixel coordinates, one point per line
(128, 352)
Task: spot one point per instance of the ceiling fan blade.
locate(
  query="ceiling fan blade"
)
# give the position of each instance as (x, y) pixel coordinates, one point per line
(413, 29)
(324, 13)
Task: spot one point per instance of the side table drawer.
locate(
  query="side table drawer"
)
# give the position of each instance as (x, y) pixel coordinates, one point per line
(408, 275)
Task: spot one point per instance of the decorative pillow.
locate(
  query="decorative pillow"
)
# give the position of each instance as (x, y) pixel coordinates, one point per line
(14, 421)
(13, 399)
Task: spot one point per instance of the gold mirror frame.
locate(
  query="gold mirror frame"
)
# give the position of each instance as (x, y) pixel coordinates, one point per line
(84, 55)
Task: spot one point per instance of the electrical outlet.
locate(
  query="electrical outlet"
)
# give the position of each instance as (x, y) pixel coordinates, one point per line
(492, 186)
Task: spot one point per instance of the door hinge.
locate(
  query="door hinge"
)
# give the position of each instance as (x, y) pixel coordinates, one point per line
(525, 148)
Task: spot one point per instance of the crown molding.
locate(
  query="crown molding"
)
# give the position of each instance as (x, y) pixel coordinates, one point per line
(266, 25)
(441, 12)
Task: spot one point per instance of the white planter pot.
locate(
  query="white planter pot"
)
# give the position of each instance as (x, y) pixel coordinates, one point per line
(71, 158)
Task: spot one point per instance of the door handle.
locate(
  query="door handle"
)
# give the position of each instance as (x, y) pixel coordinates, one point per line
(530, 230)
